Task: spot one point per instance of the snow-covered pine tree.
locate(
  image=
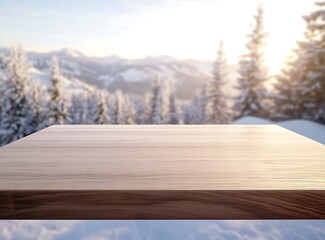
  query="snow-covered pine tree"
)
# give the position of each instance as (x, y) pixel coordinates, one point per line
(15, 116)
(186, 114)
(300, 88)
(141, 108)
(78, 108)
(2, 97)
(36, 107)
(172, 111)
(312, 85)
(2, 89)
(287, 104)
(216, 106)
(3, 77)
(161, 112)
(91, 102)
(129, 113)
(198, 106)
(101, 114)
(157, 111)
(166, 94)
(57, 109)
(118, 116)
(75, 109)
(3, 62)
(252, 74)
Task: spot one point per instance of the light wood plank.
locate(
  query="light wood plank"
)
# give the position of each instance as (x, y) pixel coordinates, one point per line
(152, 161)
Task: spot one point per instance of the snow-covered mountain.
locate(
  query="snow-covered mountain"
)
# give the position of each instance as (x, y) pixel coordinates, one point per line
(69, 84)
(133, 76)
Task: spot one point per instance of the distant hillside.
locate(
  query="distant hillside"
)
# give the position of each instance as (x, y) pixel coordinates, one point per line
(131, 76)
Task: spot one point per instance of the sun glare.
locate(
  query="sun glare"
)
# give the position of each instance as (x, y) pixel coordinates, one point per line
(188, 29)
(179, 28)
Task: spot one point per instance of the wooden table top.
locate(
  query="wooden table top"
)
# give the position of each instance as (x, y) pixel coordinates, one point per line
(161, 159)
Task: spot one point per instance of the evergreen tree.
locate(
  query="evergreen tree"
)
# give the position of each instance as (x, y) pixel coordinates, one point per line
(287, 103)
(57, 108)
(91, 101)
(312, 84)
(101, 114)
(186, 114)
(2, 91)
(36, 108)
(3, 80)
(301, 86)
(3, 67)
(15, 106)
(199, 106)
(3, 62)
(118, 112)
(172, 113)
(166, 94)
(129, 112)
(252, 98)
(156, 111)
(216, 107)
(78, 108)
(141, 108)
(161, 110)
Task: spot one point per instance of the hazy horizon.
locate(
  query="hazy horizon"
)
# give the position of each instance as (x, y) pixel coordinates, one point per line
(133, 30)
(104, 56)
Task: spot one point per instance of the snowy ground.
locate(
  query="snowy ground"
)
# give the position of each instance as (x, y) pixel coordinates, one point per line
(156, 230)
(306, 128)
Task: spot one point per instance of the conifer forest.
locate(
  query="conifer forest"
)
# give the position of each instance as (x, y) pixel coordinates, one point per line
(296, 92)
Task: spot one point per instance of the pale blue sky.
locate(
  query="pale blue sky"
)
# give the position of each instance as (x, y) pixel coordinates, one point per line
(137, 28)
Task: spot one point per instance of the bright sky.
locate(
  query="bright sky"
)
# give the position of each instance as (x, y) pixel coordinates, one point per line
(138, 28)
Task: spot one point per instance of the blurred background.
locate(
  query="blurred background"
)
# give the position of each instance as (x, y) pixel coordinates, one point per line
(162, 62)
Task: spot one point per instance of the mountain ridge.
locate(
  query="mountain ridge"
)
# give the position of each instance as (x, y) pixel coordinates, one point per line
(129, 75)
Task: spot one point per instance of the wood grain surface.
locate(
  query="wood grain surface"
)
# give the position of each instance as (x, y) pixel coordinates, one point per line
(163, 172)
